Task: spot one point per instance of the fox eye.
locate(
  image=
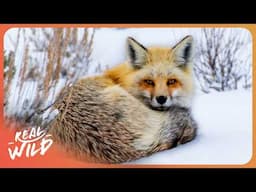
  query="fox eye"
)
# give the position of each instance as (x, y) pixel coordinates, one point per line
(149, 82)
(171, 81)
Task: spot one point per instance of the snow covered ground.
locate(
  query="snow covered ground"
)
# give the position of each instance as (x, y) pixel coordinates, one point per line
(225, 132)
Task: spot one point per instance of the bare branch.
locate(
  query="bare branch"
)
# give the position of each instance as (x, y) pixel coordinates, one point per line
(219, 56)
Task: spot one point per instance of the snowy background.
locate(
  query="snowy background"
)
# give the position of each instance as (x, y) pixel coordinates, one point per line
(224, 116)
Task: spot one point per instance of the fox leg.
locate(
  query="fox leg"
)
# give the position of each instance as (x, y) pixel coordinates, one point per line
(163, 146)
(189, 132)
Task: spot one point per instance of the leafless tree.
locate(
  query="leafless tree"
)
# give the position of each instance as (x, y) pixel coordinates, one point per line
(222, 56)
(247, 76)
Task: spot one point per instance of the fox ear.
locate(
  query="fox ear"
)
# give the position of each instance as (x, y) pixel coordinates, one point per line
(183, 51)
(137, 53)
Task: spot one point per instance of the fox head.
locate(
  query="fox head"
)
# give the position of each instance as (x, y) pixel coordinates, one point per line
(160, 77)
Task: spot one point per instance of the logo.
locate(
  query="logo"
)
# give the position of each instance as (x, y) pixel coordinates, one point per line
(30, 142)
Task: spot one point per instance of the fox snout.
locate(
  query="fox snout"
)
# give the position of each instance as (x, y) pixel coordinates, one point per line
(161, 99)
(161, 102)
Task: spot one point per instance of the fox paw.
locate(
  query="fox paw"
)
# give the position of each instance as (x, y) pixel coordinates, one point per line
(188, 135)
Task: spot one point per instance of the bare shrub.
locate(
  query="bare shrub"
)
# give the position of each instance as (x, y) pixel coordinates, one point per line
(222, 57)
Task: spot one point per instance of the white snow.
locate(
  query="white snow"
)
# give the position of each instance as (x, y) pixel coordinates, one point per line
(224, 136)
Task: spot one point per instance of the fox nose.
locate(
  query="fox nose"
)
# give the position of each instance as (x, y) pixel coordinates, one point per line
(161, 99)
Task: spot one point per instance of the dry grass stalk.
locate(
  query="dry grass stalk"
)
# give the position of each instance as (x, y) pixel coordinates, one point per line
(74, 36)
(24, 68)
(49, 68)
(9, 75)
(58, 47)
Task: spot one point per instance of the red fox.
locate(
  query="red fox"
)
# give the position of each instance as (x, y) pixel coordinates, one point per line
(159, 77)
(131, 111)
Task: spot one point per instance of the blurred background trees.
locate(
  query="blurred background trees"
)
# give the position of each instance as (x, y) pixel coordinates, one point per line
(223, 59)
(44, 60)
